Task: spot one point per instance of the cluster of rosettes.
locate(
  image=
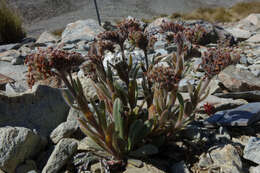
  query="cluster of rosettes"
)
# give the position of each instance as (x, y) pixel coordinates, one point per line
(42, 64)
(129, 25)
(165, 77)
(216, 59)
(194, 35)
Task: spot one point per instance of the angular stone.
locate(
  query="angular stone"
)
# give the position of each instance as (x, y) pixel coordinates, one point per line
(47, 37)
(252, 150)
(235, 79)
(81, 30)
(241, 116)
(227, 158)
(254, 169)
(17, 73)
(254, 39)
(218, 103)
(64, 130)
(146, 168)
(43, 108)
(16, 145)
(240, 34)
(253, 18)
(250, 96)
(61, 154)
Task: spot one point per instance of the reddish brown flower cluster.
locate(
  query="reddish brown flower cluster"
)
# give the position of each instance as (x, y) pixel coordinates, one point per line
(117, 37)
(129, 25)
(215, 60)
(196, 34)
(165, 77)
(171, 27)
(41, 64)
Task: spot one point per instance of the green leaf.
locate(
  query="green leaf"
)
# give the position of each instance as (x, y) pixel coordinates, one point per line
(121, 93)
(180, 99)
(101, 114)
(119, 119)
(138, 131)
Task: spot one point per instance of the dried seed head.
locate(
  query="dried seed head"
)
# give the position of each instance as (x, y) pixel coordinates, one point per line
(41, 64)
(165, 77)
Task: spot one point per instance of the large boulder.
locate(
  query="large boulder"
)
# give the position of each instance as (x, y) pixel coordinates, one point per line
(80, 30)
(16, 145)
(43, 108)
(61, 154)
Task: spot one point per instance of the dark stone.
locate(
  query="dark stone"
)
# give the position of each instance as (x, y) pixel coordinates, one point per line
(241, 116)
(250, 96)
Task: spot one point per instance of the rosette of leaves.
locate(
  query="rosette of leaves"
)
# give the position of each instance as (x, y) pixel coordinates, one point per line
(169, 111)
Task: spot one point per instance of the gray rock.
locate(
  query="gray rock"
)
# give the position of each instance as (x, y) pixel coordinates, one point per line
(69, 47)
(205, 161)
(235, 79)
(254, 169)
(28, 166)
(218, 103)
(8, 47)
(241, 116)
(88, 88)
(253, 19)
(43, 108)
(10, 53)
(254, 39)
(74, 114)
(60, 156)
(179, 167)
(240, 34)
(252, 150)
(16, 145)
(227, 158)
(13, 88)
(47, 37)
(81, 30)
(64, 130)
(145, 169)
(17, 72)
(250, 96)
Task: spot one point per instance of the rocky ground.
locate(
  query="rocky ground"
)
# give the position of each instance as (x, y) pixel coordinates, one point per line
(40, 133)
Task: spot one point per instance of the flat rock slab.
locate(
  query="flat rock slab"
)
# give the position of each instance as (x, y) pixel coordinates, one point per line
(237, 80)
(251, 96)
(252, 150)
(241, 116)
(42, 109)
